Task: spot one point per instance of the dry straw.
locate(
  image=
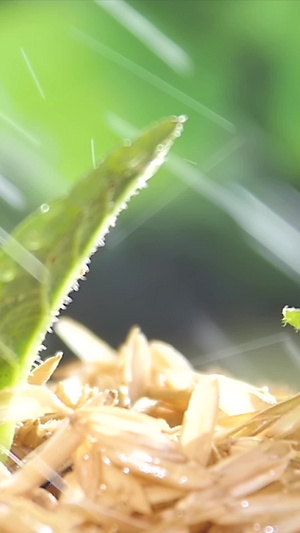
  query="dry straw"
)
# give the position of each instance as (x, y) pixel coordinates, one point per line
(136, 440)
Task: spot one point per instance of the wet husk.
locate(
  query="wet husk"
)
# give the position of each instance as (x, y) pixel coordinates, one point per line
(137, 440)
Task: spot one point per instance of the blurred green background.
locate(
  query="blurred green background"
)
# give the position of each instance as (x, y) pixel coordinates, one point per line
(207, 256)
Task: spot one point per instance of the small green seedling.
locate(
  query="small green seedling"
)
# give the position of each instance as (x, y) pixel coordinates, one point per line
(291, 316)
(47, 253)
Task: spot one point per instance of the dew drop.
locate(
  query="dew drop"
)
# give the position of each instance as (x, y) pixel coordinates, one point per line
(257, 527)
(245, 504)
(183, 480)
(182, 119)
(160, 147)
(126, 470)
(178, 131)
(44, 208)
(86, 457)
(103, 487)
(127, 142)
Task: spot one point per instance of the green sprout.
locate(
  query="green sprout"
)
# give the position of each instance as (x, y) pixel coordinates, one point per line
(41, 262)
(291, 316)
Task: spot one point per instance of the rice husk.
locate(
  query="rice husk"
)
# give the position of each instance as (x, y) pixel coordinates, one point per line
(137, 440)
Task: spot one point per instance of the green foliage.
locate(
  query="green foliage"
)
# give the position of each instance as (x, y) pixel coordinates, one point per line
(242, 67)
(48, 252)
(291, 316)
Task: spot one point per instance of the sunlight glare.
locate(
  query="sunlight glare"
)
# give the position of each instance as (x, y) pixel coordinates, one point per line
(151, 78)
(33, 74)
(279, 238)
(23, 257)
(93, 153)
(11, 194)
(17, 127)
(161, 45)
(239, 349)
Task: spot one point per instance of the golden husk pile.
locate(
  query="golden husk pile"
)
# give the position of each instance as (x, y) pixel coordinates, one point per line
(138, 441)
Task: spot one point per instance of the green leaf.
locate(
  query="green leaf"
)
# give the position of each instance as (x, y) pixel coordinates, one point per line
(45, 256)
(291, 316)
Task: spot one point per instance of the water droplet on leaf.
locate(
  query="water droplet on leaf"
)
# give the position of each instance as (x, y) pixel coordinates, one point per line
(44, 208)
(182, 119)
